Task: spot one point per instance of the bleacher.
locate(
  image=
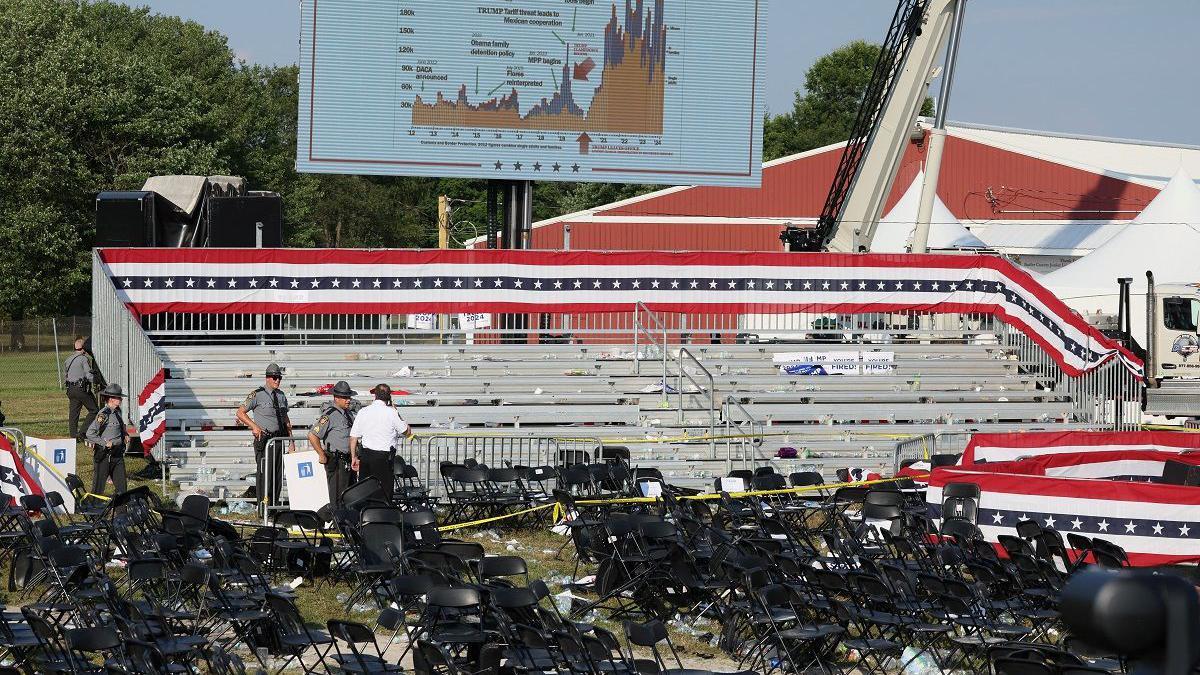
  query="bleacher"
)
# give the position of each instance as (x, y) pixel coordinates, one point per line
(596, 391)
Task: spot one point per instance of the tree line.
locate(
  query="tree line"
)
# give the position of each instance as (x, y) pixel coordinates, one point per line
(99, 96)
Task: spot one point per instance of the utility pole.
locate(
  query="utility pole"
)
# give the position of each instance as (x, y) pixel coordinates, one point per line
(443, 222)
(443, 320)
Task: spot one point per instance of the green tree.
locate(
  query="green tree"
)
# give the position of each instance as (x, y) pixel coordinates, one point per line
(99, 96)
(824, 111)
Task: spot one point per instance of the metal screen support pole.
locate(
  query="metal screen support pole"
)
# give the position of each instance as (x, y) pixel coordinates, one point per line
(493, 198)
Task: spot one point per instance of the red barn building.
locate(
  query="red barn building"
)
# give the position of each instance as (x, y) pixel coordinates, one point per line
(1042, 198)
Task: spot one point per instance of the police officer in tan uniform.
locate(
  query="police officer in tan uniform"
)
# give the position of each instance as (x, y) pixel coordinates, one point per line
(265, 411)
(330, 438)
(108, 436)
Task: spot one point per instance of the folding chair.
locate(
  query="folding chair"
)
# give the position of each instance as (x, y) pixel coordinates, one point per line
(494, 570)
(358, 650)
(295, 637)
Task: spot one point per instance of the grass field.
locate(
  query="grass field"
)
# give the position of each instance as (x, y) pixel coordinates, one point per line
(33, 402)
(30, 395)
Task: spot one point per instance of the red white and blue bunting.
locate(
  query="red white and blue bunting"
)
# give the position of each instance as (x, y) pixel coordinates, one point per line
(335, 281)
(152, 411)
(1012, 446)
(1118, 496)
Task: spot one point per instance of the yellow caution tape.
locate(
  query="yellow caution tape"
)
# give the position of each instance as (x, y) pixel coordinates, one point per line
(645, 500)
(493, 519)
(739, 495)
(49, 465)
(1168, 427)
(611, 440)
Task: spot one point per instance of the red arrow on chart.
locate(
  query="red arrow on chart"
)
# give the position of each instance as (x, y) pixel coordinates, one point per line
(585, 143)
(582, 69)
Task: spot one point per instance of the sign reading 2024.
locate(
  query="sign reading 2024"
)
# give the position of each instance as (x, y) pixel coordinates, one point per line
(638, 91)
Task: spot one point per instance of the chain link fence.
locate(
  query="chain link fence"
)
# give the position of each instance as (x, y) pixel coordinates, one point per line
(32, 352)
(42, 334)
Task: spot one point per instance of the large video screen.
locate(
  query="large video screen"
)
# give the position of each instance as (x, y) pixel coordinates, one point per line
(633, 91)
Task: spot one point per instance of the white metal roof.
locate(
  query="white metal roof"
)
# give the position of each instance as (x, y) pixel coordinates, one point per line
(1147, 163)
(1047, 237)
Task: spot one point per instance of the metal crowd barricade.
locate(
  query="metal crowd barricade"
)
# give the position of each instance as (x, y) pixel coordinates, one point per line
(273, 449)
(582, 450)
(427, 455)
(498, 450)
(917, 447)
(125, 353)
(491, 450)
(18, 438)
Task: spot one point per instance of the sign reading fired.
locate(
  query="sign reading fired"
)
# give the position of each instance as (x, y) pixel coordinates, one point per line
(635, 91)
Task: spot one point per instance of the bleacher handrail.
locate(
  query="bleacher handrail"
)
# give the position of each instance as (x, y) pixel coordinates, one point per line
(640, 329)
(712, 394)
(748, 441)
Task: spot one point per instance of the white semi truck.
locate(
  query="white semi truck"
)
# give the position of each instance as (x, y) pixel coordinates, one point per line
(1172, 313)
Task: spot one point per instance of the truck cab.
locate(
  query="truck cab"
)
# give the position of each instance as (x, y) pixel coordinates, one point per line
(1176, 325)
(1173, 360)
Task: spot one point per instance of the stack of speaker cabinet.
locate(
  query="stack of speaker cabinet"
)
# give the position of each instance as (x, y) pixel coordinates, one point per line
(190, 211)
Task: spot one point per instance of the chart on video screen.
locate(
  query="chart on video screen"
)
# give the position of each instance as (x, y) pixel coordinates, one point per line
(632, 90)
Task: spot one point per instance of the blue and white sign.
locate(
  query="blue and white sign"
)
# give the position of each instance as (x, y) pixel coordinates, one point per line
(306, 487)
(55, 458)
(631, 91)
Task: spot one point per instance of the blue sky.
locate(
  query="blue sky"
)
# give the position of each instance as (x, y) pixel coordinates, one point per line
(1102, 67)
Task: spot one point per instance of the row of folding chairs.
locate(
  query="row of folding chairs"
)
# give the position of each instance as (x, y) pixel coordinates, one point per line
(797, 584)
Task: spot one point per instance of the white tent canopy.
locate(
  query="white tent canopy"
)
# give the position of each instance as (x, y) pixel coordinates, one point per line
(1164, 238)
(895, 231)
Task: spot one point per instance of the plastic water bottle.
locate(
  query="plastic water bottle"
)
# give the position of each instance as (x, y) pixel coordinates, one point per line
(918, 662)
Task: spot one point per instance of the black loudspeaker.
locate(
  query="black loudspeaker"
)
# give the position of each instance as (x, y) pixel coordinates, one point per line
(233, 222)
(126, 219)
(1180, 473)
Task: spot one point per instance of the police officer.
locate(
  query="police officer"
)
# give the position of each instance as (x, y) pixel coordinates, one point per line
(330, 437)
(376, 432)
(80, 380)
(265, 411)
(109, 437)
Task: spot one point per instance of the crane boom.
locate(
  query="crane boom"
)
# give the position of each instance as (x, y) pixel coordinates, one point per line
(885, 120)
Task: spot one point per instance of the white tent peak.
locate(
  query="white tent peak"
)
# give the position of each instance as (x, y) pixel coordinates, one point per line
(895, 231)
(1178, 202)
(1164, 238)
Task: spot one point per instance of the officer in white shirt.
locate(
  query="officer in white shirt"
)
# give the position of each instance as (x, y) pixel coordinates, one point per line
(374, 436)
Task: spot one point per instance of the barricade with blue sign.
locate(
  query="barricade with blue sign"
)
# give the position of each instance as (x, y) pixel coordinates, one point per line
(60, 452)
(304, 477)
